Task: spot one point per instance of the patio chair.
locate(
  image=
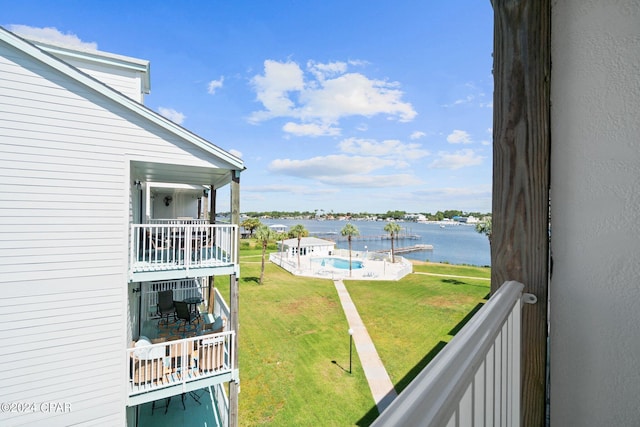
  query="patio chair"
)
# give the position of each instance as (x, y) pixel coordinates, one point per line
(184, 314)
(166, 306)
(148, 363)
(159, 250)
(215, 326)
(147, 370)
(203, 249)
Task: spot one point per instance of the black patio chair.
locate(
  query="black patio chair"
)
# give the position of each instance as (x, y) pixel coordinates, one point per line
(184, 314)
(166, 306)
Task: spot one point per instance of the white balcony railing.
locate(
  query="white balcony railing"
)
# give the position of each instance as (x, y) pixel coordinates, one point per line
(166, 247)
(475, 379)
(182, 289)
(179, 221)
(222, 404)
(174, 363)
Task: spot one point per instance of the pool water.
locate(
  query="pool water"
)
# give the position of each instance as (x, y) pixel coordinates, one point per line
(338, 263)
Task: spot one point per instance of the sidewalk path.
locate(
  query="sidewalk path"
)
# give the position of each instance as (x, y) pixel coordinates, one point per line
(377, 377)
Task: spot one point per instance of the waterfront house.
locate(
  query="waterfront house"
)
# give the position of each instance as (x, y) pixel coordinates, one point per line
(566, 146)
(103, 205)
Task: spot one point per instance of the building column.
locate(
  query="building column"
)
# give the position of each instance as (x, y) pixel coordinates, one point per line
(234, 385)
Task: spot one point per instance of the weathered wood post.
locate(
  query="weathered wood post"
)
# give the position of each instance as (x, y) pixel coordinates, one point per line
(234, 386)
(212, 220)
(521, 146)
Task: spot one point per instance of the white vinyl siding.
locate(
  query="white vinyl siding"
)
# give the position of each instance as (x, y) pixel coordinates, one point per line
(125, 82)
(120, 73)
(64, 213)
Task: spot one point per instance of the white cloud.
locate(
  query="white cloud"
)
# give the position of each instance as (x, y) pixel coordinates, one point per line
(459, 137)
(311, 129)
(335, 164)
(289, 189)
(345, 171)
(471, 94)
(388, 148)
(466, 100)
(325, 95)
(273, 87)
(214, 85)
(457, 160)
(417, 135)
(372, 181)
(475, 197)
(235, 153)
(52, 35)
(322, 71)
(354, 94)
(172, 115)
(478, 190)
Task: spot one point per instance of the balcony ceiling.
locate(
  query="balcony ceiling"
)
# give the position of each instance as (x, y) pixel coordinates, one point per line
(180, 174)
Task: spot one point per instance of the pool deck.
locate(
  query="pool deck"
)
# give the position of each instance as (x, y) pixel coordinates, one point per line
(374, 266)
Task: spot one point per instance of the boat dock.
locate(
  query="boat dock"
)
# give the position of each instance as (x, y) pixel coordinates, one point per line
(335, 237)
(414, 248)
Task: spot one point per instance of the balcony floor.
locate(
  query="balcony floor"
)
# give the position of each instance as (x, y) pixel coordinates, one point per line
(193, 414)
(175, 330)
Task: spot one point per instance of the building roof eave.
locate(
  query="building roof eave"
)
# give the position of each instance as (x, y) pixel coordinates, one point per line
(17, 42)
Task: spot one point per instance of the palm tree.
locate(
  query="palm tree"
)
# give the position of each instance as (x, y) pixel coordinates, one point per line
(349, 230)
(298, 231)
(393, 229)
(485, 228)
(264, 234)
(251, 224)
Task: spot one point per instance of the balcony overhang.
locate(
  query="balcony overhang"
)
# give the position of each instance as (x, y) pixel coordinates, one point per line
(184, 273)
(147, 171)
(177, 389)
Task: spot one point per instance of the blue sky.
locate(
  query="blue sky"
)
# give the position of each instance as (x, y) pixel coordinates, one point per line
(345, 106)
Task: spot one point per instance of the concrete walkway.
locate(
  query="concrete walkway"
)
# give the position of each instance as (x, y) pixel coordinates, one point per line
(377, 377)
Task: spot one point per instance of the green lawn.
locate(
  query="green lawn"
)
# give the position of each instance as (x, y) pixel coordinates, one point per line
(410, 320)
(294, 346)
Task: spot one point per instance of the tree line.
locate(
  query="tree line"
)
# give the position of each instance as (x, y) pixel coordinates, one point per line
(393, 215)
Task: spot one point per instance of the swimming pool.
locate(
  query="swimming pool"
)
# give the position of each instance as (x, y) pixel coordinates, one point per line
(340, 263)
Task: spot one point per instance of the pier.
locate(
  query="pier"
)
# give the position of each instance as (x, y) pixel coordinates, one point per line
(404, 250)
(336, 237)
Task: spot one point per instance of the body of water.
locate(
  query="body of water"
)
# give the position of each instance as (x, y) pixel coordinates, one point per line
(453, 243)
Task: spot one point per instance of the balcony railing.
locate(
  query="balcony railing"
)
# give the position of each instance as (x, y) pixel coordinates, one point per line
(179, 221)
(180, 248)
(182, 289)
(475, 379)
(222, 404)
(171, 366)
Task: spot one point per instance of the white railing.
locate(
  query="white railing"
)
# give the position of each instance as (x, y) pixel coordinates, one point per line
(475, 379)
(178, 221)
(220, 307)
(157, 366)
(222, 403)
(158, 247)
(376, 266)
(182, 289)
